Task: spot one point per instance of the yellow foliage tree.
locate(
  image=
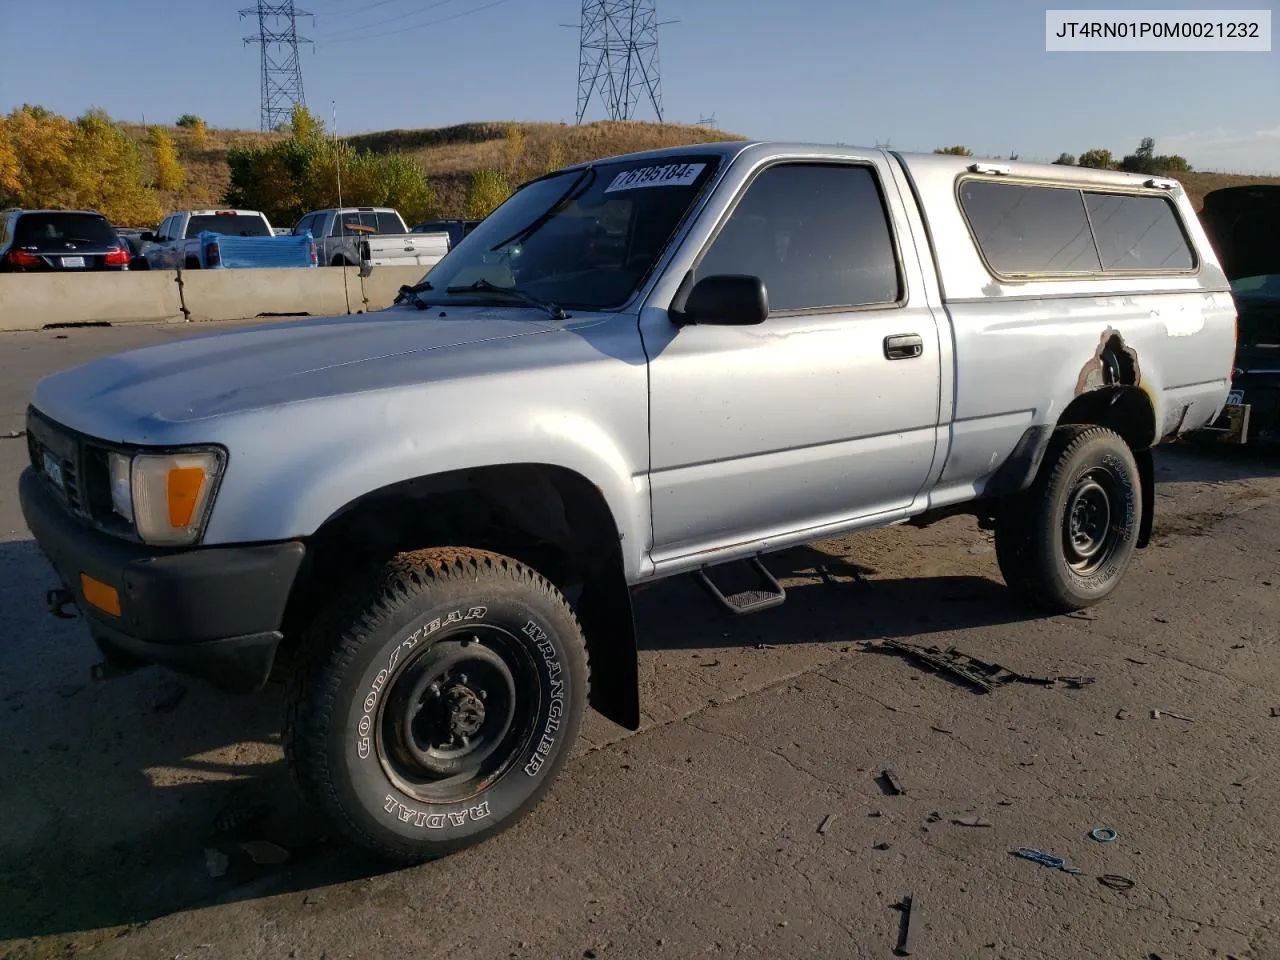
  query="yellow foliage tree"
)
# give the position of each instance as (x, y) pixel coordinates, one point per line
(41, 143)
(10, 183)
(106, 172)
(169, 173)
(489, 188)
(515, 149)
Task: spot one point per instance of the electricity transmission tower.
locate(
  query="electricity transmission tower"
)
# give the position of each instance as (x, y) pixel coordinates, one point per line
(281, 69)
(618, 56)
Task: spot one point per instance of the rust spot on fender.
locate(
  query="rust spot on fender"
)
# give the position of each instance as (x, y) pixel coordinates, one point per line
(1113, 362)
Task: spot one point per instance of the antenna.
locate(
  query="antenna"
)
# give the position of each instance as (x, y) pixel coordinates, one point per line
(618, 56)
(337, 154)
(281, 68)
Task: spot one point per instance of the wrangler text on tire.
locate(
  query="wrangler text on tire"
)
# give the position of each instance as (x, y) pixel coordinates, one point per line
(434, 706)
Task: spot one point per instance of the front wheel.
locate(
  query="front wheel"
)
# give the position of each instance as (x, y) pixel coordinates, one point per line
(434, 708)
(1066, 542)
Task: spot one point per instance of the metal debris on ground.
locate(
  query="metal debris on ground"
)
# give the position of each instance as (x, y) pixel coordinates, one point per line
(1122, 714)
(978, 673)
(216, 863)
(264, 852)
(1116, 882)
(1275, 711)
(892, 782)
(1044, 859)
(1141, 663)
(1157, 714)
(15, 434)
(940, 730)
(1103, 834)
(168, 697)
(826, 823)
(910, 925)
(970, 822)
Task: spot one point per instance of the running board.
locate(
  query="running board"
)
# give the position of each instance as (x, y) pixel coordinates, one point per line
(769, 594)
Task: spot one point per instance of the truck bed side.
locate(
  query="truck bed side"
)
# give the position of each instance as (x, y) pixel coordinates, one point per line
(1027, 347)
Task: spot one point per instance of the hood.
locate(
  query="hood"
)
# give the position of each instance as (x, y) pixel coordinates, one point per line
(1243, 224)
(133, 396)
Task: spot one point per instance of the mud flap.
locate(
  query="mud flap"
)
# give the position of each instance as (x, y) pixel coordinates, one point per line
(1147, 475)
(608, 622)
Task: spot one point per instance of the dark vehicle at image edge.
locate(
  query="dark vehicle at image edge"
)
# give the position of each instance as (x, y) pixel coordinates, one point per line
(1243, 223)
(59, 241)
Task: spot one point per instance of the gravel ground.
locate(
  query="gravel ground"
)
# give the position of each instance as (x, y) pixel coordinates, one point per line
(749, 816)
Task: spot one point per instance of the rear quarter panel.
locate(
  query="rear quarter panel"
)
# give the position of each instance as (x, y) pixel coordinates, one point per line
(1024, 349)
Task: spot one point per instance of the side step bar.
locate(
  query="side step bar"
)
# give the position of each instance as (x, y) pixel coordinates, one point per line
(769, 594)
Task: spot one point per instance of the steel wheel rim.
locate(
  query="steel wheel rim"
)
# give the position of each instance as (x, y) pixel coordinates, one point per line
(457, 715)
(1090, 534)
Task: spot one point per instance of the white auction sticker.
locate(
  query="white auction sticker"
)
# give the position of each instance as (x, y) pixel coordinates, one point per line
(666, 175)
(1145, 31)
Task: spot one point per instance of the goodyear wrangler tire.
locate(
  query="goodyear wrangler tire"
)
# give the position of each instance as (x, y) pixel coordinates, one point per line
(1066, 542)
(435, 708)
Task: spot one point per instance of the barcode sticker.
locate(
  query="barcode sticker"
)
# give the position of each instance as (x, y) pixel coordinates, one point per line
(666, 175)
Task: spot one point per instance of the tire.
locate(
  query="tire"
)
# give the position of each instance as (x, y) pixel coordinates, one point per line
(371, 736)
(1088, 478)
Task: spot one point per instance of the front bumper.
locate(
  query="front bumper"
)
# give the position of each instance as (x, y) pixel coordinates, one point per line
(211, 612)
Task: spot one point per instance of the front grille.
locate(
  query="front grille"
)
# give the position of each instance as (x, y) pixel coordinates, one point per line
(58, 456)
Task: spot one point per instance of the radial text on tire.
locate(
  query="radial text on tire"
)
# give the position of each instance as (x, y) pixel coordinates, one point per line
(434, 707)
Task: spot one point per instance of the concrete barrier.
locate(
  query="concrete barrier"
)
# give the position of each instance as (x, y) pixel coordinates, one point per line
(248, 293)
(379, 289)
(29, 301)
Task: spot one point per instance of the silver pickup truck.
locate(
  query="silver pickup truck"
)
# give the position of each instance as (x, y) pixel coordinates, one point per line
(428, 521)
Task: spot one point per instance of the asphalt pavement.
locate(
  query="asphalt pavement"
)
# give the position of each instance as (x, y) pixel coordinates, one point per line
(151, 817)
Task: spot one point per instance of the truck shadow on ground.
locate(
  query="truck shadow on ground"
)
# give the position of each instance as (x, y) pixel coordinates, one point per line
(144, 849)
(1216, 463)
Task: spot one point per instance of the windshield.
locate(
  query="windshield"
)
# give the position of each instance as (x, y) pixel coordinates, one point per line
(53, 229)
(590, 252)
(1263, 287)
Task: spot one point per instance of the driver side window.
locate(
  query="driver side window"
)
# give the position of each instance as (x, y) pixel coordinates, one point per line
(817, 234)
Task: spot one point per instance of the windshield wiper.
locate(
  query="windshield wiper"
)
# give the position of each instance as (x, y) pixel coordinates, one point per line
(484, 286)
(412, 290)
(588, 175)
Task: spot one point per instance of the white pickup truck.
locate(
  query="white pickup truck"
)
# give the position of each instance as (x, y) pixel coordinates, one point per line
(176, 242)
(342, 233)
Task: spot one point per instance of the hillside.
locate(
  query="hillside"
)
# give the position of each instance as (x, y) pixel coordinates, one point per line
(449, 155)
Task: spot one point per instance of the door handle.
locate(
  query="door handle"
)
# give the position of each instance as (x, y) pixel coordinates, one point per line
(903, 346)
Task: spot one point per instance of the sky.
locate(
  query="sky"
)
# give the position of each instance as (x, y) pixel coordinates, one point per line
(915, 74)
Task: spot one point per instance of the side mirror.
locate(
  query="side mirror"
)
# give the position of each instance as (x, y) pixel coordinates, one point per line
(725, 300)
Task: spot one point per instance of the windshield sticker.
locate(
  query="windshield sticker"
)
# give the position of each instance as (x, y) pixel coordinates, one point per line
(666, 175)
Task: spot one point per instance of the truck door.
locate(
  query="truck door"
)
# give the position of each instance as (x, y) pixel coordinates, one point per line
(827, 411)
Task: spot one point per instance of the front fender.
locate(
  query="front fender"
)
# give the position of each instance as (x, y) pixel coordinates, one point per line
(285, 478)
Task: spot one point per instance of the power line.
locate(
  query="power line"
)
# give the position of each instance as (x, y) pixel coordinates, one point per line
(379, 23)
(420, 26)
(281, 68)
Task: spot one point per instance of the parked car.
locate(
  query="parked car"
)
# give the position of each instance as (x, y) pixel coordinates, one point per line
(431, 530)
(176, 243)
(1243, 224)
(132, 238)
(59, 241)
(456, 229)
(340, 230)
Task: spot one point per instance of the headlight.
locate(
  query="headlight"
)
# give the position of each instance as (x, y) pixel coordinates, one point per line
(167, 496)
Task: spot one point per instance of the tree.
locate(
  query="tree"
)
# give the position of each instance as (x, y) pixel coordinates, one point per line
(10, 182)
(489, 188)
(169, 173)
(955, 151)
(195, 128)
(304, 171)
(514, 149)
(1098, 159)
(189, 121)
(1146, 160)
(106, 168)
(1065, 160)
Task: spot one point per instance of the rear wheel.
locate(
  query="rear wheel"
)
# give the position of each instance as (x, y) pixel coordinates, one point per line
(1066, 542)
(435, 706)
